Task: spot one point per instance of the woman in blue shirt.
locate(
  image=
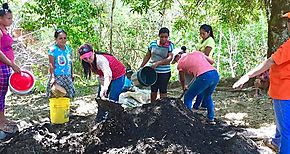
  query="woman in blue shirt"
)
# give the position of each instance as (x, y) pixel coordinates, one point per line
(60, 65)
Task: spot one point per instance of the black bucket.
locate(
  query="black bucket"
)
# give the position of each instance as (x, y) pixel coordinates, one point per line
(146, 76)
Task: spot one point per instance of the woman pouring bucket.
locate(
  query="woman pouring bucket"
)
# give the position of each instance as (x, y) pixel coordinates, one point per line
(160, 55)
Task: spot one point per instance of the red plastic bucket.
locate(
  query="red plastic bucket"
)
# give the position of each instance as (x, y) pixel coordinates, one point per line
(21, 83)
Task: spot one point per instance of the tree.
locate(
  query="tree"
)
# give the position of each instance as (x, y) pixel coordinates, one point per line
(277, 33)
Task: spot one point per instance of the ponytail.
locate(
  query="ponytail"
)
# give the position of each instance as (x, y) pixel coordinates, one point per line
(208, 29)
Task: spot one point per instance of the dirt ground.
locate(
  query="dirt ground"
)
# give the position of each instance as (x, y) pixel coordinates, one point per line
(164, 127)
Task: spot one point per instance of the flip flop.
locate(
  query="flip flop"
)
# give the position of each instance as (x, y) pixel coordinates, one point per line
(8, 128)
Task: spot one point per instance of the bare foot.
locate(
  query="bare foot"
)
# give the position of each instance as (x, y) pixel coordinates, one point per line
(194, 110)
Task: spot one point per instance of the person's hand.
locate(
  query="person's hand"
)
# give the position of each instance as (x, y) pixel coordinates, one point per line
(52, 81)
(154, 65)
(184, 88)
(241, 81)
(73, 77)
(103, 93)
(15, 68)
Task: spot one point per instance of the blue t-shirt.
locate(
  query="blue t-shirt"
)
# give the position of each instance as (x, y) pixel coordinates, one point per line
(62, 60)
(159, 53)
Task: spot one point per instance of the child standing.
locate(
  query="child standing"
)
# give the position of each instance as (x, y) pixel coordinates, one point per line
(6, 62)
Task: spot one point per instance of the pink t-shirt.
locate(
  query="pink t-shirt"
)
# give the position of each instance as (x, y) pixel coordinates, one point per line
(194, 63)
(6, 46)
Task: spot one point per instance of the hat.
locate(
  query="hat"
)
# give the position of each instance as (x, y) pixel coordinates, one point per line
(85, 51)
(286, 15)
(176, 52)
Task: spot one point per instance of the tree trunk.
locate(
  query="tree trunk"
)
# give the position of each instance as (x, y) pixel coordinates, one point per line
(277, 30)
(111, 27)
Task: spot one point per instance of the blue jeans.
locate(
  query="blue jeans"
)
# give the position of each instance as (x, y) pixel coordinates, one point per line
(199, 100)
(282, 116)
(115, 88)
(205, 83)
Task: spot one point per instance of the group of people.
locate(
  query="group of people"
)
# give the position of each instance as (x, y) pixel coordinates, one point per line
(111, 72)
(197, 75)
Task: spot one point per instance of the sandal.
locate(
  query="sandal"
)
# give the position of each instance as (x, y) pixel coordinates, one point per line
(8, 128)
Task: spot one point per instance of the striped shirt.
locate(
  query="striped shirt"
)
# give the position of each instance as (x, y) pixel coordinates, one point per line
(159, 53)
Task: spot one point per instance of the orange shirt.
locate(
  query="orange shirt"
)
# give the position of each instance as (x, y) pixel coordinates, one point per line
(280, 73)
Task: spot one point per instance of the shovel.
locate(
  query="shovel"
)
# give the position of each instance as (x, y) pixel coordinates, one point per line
(189, 84)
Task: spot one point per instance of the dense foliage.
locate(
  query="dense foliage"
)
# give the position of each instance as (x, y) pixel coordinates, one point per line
(240, 27)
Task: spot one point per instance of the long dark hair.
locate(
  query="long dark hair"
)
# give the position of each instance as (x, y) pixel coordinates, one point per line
(208, 29)
(89, 68)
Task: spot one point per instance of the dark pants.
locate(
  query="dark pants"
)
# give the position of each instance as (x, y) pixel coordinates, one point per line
(161, 83)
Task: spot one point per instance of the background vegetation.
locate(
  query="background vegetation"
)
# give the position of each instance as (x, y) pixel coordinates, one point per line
(125, 28)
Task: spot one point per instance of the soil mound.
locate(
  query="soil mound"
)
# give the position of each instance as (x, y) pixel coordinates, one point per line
(162, 127)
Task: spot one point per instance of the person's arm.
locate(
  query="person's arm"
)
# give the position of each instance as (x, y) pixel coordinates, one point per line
(146, 59)
(211, 61)
(163, 61)
(72, 72)
(104, 66)
(51, 65)
(6, 61)
(265, 65)
(182, 79)
(51, 68)
(207, 50)
(72, 69)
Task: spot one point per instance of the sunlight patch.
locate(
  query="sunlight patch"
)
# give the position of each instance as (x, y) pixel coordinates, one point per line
(236, 116)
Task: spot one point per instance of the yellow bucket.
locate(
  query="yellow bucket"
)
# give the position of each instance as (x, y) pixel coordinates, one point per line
(59, 110)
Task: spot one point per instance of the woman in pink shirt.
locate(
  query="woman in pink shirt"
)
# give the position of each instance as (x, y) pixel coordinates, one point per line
(207, 78)
(6, 63)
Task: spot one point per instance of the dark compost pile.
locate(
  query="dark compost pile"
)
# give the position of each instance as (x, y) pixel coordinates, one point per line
(162, 127)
